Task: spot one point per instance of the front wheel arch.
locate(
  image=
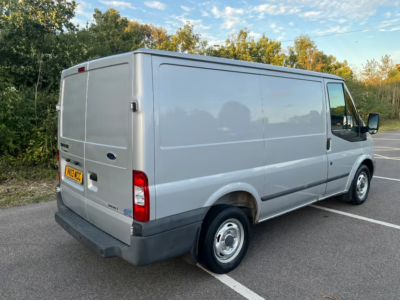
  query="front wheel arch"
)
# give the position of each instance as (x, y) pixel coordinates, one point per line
(351, 195)
(370, 165)
(365, 159)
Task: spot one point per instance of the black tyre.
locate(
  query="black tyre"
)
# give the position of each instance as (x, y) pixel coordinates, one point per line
(224, 239)
(359, 189)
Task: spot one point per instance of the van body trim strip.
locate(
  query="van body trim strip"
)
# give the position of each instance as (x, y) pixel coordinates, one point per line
(303, 187)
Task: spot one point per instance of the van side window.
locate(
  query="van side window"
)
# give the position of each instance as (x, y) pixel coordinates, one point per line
(344, 116)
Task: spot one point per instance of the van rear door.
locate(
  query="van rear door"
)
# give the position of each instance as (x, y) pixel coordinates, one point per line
(108, 163)
(96, 143)
(108, 178)
(72, 138)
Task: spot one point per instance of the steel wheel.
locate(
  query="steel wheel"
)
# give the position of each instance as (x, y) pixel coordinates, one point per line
(362, 185)
(224, 238)
(228, 241)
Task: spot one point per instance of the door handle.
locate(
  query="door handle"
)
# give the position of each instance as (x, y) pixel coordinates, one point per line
(93, 177)
(328, 144)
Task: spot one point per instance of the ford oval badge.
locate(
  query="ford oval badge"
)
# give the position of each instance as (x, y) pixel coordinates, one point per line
(111, 156)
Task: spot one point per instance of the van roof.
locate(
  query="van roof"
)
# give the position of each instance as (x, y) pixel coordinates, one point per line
(234, 62)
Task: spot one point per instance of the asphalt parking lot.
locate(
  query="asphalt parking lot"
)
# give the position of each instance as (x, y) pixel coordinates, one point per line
(331, 250)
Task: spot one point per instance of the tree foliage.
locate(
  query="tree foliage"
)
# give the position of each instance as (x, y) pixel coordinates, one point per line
(38, 40)
(242, 46)
(306, 55)
(29, 72)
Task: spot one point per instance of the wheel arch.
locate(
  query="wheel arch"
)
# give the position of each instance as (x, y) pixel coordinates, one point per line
(241, 195)
(368, 162)
(365, 159)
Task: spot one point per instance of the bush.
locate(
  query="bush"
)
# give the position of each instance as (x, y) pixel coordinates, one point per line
(26, 138)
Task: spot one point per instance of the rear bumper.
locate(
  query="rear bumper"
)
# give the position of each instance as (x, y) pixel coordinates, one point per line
(143, 250)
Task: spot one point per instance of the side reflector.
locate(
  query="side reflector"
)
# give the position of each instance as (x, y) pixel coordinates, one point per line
(81, 69)
(141, 197)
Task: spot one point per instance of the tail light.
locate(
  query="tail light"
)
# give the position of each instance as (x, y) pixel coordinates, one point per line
(141, 197)
(58, 159)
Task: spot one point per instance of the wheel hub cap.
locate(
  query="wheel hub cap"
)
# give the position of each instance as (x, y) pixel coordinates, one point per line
(362, 185)
(228, 240)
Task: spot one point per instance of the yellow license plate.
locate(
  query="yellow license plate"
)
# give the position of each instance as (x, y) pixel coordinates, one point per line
(74, 174)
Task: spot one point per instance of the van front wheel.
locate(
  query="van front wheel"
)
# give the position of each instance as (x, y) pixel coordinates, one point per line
(224, 239)
(359, 189)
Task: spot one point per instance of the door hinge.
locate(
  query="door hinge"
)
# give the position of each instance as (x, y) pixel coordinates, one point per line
(134, 106)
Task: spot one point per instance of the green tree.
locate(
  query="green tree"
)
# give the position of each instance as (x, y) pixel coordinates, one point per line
(108, 34)
(242, 46)
(159, 38)
(29, 30)
(29, 69)
(184, 40)
(384, 79)
(371, 72)
(304, 54)
(112, 34)
(267, 51)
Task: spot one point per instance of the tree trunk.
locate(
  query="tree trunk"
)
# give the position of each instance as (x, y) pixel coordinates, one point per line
(37, 84)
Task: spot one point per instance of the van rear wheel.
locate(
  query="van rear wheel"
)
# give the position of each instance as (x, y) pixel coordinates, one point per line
(224, 239)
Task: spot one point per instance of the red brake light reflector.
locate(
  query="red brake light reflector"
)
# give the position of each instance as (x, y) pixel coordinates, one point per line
(141, 197)
(81, 69)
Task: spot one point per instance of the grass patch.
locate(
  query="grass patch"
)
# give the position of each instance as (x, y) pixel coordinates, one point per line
(389, 125)
(21, 185)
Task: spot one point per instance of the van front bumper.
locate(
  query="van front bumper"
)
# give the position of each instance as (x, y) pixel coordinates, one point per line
(160, 243)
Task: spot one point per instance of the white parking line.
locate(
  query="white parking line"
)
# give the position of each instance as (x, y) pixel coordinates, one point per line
(234, 285)
(387, 178)
(384, 147)
(390, 148)
(387, 158)
(387, 139)
(356, 217)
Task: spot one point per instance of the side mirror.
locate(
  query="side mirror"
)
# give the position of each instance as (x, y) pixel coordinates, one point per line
(373, 123)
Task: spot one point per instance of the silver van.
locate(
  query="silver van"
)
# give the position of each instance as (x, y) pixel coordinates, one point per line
(165, 154)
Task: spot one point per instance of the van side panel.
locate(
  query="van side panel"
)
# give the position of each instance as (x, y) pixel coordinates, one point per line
(209, 132)
(295, 142)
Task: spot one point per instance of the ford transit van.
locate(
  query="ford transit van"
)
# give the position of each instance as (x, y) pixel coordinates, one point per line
(165, 154)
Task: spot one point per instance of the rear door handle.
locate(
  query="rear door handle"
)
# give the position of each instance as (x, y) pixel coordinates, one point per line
(93, 177)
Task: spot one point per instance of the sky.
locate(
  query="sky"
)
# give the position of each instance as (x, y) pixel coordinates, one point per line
(377, 22)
